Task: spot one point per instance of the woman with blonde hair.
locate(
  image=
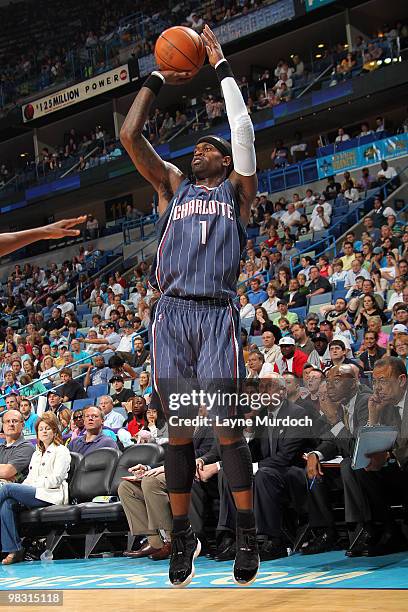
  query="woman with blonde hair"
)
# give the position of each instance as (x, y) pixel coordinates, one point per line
(46, 484)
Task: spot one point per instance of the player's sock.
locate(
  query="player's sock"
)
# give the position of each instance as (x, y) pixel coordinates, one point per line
(245, 519)
(180, 523)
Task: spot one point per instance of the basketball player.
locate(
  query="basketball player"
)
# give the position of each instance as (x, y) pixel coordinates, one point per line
(195, 328)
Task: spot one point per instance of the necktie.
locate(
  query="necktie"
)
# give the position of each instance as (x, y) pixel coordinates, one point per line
(346, 418)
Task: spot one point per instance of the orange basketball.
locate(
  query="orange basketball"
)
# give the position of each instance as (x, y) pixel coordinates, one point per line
(180, 49)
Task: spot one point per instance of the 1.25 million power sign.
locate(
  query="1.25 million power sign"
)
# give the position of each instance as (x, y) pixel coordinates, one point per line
(76, 93)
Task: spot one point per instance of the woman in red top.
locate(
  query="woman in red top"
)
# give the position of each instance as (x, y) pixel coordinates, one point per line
(273, 238)
(324, 266)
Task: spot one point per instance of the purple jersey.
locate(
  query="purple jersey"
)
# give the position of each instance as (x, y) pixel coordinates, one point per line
(201, 238)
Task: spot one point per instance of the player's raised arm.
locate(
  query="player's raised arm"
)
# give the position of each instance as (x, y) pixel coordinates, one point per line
(243, 176)
(163, 176)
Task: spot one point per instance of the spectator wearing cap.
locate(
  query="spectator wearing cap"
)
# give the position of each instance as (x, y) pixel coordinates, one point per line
(125, 346)
(54, 401)
(112, 418)
(289, 252)
(318, 284)
(256, 295)
(303, 342)
(121, 395)
(292, 359)
(399, 331)
(93, 438)
(320, 356)
(284, 312)
(110, 340)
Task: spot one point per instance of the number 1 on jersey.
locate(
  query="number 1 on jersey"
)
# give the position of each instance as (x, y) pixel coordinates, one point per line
(203, 232)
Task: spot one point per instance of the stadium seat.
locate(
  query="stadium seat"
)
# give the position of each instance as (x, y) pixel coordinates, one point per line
(301, 312)
(92, 478)
(97, 390)
(81, 403)
(246, 323)
(255, 340)
(83, 309)
(339, 293)
(322, 298)
(99, 515)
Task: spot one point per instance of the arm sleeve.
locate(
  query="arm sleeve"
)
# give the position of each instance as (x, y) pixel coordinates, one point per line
(242, 130)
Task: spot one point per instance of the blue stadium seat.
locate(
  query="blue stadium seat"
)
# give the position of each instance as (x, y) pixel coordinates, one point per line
(246, 323)
(83, 309)
(339, 293)
(301, 312)
(81, 403)
(97, 390)
(323, 298)
(255, 340)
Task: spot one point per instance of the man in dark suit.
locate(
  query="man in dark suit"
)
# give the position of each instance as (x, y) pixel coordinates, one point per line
(280, 480)
(385, 480)
(346, 410)
(294, 298)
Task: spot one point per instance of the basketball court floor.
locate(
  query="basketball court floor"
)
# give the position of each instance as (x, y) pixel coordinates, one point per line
(328, 583)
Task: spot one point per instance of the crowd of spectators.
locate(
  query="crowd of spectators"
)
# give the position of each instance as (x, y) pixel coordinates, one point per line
(61, 44)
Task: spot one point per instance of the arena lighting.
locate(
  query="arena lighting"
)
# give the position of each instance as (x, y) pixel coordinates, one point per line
(346, 46)
(379, 62)
(320, 45)
(387, 60)
(318, 55)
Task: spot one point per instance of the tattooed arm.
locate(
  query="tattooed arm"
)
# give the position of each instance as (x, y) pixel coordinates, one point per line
(163, 176)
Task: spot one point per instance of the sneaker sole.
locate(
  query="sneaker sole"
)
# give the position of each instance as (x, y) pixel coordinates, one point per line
(245, 584)
(189, 578)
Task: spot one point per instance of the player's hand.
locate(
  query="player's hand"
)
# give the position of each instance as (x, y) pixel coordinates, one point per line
(212, 46)
(177, 78)
(61, 229)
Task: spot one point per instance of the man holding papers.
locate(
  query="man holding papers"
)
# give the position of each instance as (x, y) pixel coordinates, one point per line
(385, 480)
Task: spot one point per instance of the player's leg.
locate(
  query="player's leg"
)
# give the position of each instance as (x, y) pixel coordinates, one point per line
(173, 370)
(220, 366)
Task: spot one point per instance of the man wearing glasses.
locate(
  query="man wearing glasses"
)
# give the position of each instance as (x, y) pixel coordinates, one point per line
(15, 453)
(93, 437)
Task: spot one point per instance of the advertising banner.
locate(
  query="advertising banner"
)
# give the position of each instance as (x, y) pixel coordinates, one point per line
(76, 93)
(364, 155)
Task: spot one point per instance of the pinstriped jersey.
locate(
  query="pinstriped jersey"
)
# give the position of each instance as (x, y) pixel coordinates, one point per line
(201, 238)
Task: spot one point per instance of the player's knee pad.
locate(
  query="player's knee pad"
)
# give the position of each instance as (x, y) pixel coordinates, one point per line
(180, 467)
(237, 465)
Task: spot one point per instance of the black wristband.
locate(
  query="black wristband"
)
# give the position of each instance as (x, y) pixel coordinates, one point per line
(224, 70)
(154, 82)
